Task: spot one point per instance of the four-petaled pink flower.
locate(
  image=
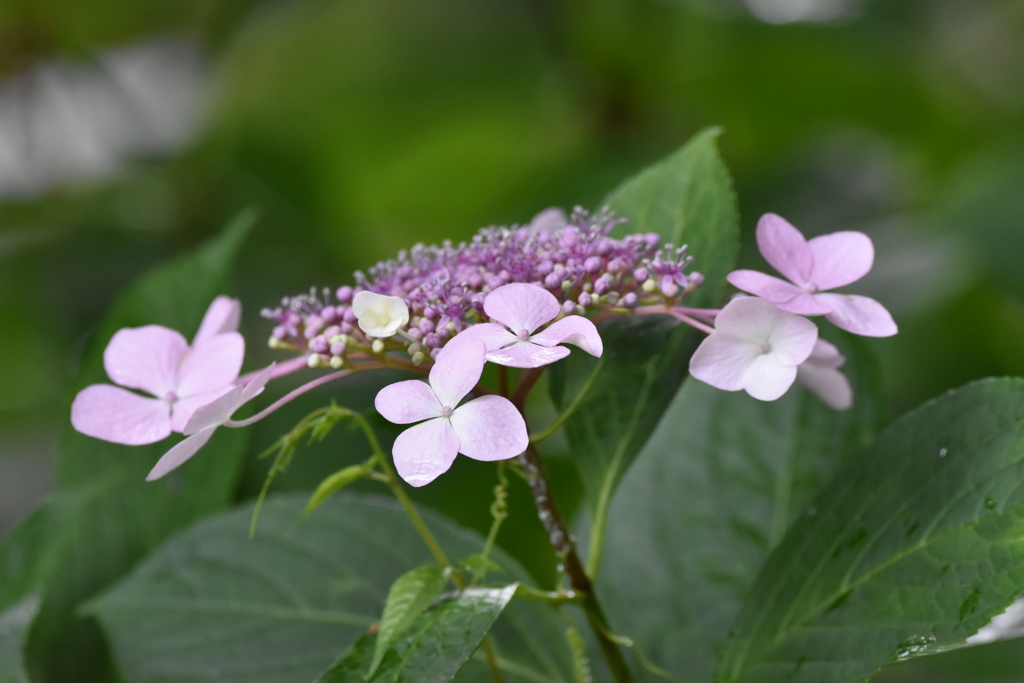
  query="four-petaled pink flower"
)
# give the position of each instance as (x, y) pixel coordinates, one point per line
(755, 347)
(205, 421)
(821, 376)
(522, 309)
(160, 361)
(823, 263)
(485, 428)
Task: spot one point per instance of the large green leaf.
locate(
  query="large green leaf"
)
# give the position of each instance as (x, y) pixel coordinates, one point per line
(14, 625)
(409, 597)
(686, 198)
(911, 549)
(437, 645)
(133, 517)
(283, 606)
(714, 490)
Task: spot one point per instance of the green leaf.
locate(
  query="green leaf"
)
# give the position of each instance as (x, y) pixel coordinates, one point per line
(334, 483)
(14, 625)
(911, 549)
(410, 596)
(686, 198)
(283, 606)
(133, 517)
(713, 491)
(438, 644)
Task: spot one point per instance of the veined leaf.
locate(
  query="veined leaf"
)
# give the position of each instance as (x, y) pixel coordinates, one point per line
(438, 643)
(14, 625)
(283, 606)
(133, 517)
(410, 596)
(911, 549)
(687, 199)
(712, 493)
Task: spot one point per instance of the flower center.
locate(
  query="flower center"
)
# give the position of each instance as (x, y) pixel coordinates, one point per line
(523, 335)
(764, 348)
(446, 411)
(170, 397)
(811, 288)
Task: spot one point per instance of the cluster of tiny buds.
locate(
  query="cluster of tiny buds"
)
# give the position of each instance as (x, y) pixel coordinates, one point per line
(573, 257)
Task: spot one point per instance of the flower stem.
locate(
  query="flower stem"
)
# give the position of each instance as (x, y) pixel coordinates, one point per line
(567, 413)
(565, 548)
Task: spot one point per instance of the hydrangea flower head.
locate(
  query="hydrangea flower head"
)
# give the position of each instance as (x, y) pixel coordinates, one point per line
(812, 267)
(755, 347)
(522, 309)
(179, 377)
(485, 428)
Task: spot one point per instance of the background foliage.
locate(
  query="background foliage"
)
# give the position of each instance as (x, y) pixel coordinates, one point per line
(357, 129)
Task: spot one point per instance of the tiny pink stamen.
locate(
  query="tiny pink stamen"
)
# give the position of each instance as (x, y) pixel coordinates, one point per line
(170, 397)
(523, 335)
(446, 411)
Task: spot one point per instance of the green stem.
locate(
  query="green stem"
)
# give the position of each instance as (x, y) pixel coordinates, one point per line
(567, 413)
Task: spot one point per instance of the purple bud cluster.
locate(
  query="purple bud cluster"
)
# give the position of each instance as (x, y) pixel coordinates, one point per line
(444, 286)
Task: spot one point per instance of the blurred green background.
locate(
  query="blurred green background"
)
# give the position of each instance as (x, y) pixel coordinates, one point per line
(359, 128)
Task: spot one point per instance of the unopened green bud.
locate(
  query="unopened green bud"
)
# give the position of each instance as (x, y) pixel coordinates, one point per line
(419, 358)
(337, 362)
(378, 346)
(650, 285)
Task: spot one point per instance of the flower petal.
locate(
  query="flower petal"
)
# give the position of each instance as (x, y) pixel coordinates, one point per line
(180, 453)
(825, 355)
(721, 361)
(748, 319)
(213, 364)
(520, 306)
(792, 338)
(573, 329)
(407, 402)
(379, 315)
(254, 387)
(491, 335)
(828, 384)
(766, 379)
(146, 358)
(548, 220)
(114, 414)
(456, 373)
(490, 428)
(860, 315)
(786, 296)
(785, 248)
(222, 316)
(183, 408)
(216, 412)
(425, 451)
(526, 354)
(840, 258)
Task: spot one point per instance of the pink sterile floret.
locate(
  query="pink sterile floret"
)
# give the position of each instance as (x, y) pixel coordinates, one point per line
(486, 428)
(522, 309)
(205, 421)
(159, 361)
(755, 347)
(820, 374)
(823, 263)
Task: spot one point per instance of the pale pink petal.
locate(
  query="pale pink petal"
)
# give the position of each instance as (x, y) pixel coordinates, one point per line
(520, 306)
(548, 220)
(425, 451)
(840, 258)
(407, 402)
(118, 415)
(785, 248)
(216, 412)
(766, 379)
(860, 315)
(183, 408)
(792, 338)
(806, 304)
(456, 373)
(527, 355)
(490, 428)
(222, 316)
(828, 384)
(765, 286)
(146, 358)
(180, 453)
(491, 335)
(573, 329)
(212, 364)
(721, 361)
(825, 355)
(748, 319)
(254, 387)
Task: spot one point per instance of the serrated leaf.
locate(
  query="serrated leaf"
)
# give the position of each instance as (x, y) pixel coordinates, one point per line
(410, 596)
(912, 548)
(283, 606)
(713, 491)
(133, 517)
(14, 625)
(685, 198)
(334, 483)
(438, 643)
